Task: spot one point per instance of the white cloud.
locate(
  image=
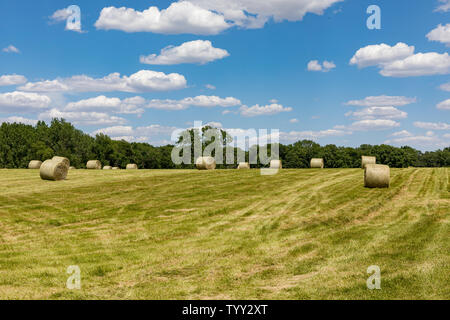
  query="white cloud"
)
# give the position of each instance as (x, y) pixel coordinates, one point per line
(420, 64)
(210, 87)
(15, 119)
(178, 18)
(400, 60)
(102, 104)
(293, 120)
(444, 7)
(441, 34)
(445, 86)
(378, 113)
(315, 65)
(381, 54)
(382, 101)
(444, 105)
(198, 101)
(258, 110)
(141, 81)
(198, 51)
(115, 131)
(255, 13)
(403, 133)
(12, 79)
(65, 14)
(23, 101)
(82, 118)
(427, 141)
(432, 125)
(154, 133)
(373, 125)
(294, 136)
(11, 49)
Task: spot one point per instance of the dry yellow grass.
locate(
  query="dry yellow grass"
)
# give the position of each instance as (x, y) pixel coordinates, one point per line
(161, 234)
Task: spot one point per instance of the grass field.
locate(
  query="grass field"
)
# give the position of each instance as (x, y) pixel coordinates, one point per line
(225, 234)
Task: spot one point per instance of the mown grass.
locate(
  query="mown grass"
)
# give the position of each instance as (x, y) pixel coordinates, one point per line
(226, 234)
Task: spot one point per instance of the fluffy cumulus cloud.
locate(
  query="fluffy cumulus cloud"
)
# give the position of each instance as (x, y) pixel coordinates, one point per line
(179, 17)
(255, 13)
(444, 6)
(18, 101)
(380, 54)
(101, 103)
(432, 125)
(429, 140)
(12, 79)
(400, 60)
(377, 113)
(444, 105)
(198, 51)
(206, 17)
(382, 101)
(155, 133)
(198, 101)
(267, 110)
(141, 81)
(373, 125)
(15, 119)
(82, 118)
(294, 136)
(315, 65)
(441, 34)
(11, 49)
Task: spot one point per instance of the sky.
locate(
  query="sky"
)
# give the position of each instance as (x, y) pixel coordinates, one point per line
(312, 69)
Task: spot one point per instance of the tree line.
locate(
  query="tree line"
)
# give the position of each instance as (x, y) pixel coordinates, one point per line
(21, 143)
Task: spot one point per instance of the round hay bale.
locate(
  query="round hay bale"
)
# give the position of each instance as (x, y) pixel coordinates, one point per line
(132, 166)
(377, 176)
(107, 168)
(72, 168)
(367, 160)
(276, 164)
(205, 163)
(115, 168)
(62, 159)
(93, 165)
(244, 165)
(317, 163)
(34, 164)
(53, 170)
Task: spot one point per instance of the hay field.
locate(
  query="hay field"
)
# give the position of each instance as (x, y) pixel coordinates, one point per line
(224, 234)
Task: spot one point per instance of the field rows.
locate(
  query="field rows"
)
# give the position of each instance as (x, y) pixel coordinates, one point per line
(224, 234)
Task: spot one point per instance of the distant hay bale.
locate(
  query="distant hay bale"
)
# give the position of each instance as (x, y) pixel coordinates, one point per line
(93, 165)
(276, 164)
(34, 164)
(62, 159)
(132, 166)
(244, 165)
(115, 168)
(205, 163)
(317, 163)
(53, 170)
(72, 168)
(377, 176)
(107, 168)
(367, 160)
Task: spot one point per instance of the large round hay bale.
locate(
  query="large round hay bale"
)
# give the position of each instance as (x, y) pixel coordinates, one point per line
(205, 163)
(107, 168)
(115, 168)
(93, 165)
(53, 170)
(317, 163)
(72, 168)
(34, 164)
(377, 176)
(62, 159)
(367, 160)
(132, 166)
(276, 164)
(244, 165)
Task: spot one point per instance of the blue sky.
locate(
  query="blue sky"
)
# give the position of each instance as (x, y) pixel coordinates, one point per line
(240, 64)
